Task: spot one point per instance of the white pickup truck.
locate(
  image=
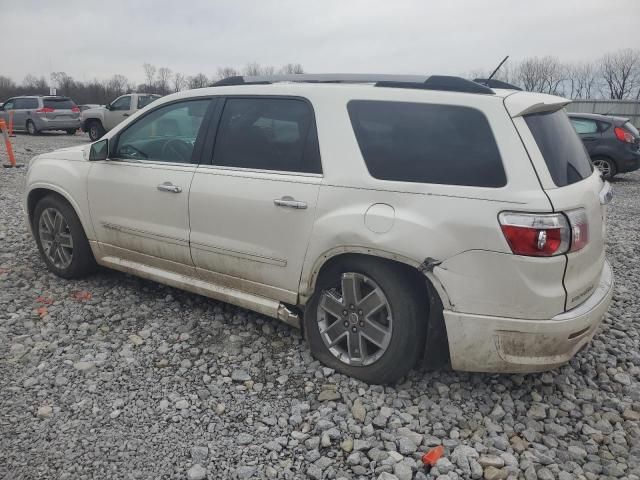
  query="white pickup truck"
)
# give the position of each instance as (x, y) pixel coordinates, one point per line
(98, 121)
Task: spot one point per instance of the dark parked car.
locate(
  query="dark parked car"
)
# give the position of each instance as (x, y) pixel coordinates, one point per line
(613, 143)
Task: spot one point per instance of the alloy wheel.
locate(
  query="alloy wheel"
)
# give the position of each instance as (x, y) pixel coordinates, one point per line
(355, 320)
(604, 167)
(55, 238)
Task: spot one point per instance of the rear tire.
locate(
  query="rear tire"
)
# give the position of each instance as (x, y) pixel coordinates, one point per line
(395, 317)
(95, 130)
(61, 240)
(71, 131)
(606, 166)
(31, 128)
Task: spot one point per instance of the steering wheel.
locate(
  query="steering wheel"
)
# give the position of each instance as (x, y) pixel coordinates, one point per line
(135, 152)
(177, 149)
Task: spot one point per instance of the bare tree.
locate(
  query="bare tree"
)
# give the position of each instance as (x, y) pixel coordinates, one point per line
(178, 82)
(253, 69)
(150, 74)
(291, 68)
(621, 73)
(116, 86)
(63, 82)
(198, 81)
(226, 72)
(581, 80)
(164, 77)
(541, 74)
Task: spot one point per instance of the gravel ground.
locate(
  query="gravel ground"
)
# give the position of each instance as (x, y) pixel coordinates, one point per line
(117, 377)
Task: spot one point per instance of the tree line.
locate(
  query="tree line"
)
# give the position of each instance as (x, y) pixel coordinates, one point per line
(160, 80)
(615, 75)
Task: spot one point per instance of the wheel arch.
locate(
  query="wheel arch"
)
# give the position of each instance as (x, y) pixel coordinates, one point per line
(436, 344)
(39, 192)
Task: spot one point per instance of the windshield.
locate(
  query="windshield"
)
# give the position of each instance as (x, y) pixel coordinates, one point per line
(562, 149)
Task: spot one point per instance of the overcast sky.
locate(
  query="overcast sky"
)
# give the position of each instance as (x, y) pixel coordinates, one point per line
(98, 39)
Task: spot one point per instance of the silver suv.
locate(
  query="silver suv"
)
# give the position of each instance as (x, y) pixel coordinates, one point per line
(34, 114)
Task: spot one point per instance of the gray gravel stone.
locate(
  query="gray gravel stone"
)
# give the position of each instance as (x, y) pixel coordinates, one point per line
(197, 472)
(135, 378)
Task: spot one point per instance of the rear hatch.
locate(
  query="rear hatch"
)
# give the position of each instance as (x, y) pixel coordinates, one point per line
(573, 187)
(60, 108)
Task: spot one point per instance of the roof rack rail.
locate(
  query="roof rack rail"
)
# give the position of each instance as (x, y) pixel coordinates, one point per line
(492, 83)
(424, 82)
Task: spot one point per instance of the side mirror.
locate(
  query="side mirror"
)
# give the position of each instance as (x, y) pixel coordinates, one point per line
(99, 151)
(108, 106)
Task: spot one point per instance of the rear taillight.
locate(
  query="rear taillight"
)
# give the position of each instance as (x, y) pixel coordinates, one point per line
(537, 235)
(623, 135)
(545, 234)
(75, 109)
(45, 110)
(579, 229)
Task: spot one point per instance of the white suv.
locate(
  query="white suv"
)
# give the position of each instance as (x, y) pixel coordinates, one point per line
(393, 218)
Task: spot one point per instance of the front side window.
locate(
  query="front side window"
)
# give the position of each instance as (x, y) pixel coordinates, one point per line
(9, 105)
(31, 103)
(122, 103)
(564, 153)
(584, 126)
(427, 143)
(19, 104)
(168, 134)
(268, 134)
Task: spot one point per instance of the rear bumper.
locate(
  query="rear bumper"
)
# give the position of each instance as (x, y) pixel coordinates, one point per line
(629, 163)
(65, 124)
(483, 343)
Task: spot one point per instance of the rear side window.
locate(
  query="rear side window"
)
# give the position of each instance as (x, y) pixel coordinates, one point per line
(584, 126)
(268, 134)
(59, 103)
(427, 143)
(563, 151)
(144, 100)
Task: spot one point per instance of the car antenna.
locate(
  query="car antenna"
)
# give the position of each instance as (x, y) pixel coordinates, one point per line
(497, 68)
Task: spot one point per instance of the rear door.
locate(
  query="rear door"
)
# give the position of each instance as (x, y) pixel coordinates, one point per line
(573, 187)
(588, 131)
(252, 209)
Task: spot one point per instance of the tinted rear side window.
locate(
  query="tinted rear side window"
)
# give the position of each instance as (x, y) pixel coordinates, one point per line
(59, 103)
(427, 143)
(268, 134)
(563, 151)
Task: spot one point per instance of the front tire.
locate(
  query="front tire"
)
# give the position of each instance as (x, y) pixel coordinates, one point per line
(365, 320)
(96, 130)
(606, 166)
(61, 240)
(31, 128)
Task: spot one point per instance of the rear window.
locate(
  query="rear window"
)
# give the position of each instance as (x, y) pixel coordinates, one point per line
(59, 103)
(427, 143)
(563, 151)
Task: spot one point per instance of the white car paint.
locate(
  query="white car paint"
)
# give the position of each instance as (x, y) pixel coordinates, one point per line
(224, 237)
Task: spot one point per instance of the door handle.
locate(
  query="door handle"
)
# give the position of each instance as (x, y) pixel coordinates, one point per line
(125, 114)
(289, 202)
(589, 139)
(169, 187)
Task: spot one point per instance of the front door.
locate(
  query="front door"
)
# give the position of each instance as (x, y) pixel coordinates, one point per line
(120, 109)
(138, 198)
(252, 209)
